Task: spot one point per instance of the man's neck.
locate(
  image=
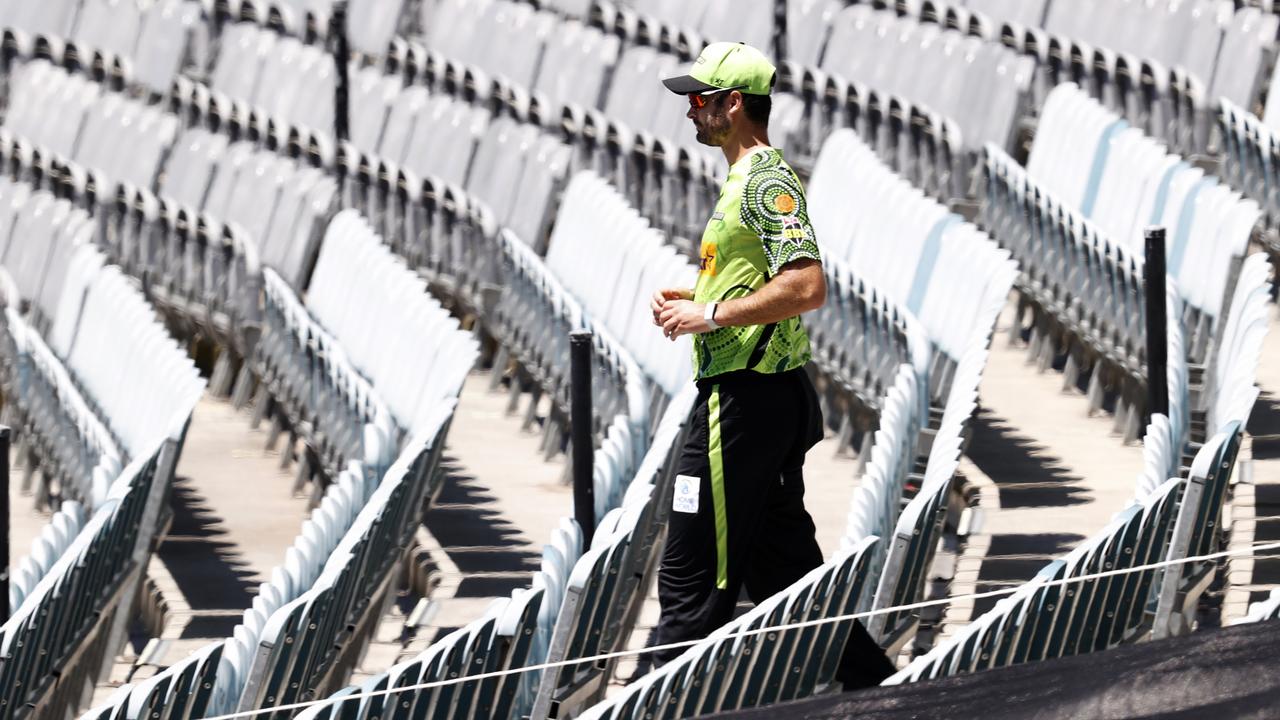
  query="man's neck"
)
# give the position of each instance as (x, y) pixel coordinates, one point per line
(739, 147)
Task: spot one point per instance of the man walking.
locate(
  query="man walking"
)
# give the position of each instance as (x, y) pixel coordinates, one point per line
(738, 516)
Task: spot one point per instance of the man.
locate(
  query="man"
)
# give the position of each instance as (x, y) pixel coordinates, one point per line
(738, 516)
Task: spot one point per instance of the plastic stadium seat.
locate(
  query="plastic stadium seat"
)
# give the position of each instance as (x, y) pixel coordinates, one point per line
(855, 198)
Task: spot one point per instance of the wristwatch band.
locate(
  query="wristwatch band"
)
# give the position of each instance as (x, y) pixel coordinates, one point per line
(710, 315)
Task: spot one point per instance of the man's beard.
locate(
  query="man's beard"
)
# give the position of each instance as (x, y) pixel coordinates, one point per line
(713, 132)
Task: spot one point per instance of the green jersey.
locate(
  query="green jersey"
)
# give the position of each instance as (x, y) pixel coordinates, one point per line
(760, 223)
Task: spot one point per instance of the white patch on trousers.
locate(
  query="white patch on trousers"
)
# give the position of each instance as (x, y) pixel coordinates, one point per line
(685, 497)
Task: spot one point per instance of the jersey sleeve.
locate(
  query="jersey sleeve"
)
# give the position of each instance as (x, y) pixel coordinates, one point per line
(773, 207)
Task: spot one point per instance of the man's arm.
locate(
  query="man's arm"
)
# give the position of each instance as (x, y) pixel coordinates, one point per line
(798, 288)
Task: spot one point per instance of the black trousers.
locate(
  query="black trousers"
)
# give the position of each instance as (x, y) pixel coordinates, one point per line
(746, 526)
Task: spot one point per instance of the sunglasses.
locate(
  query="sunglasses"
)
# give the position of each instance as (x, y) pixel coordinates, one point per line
(699, 100)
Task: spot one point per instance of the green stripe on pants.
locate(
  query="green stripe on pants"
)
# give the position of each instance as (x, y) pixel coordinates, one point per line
(716, 458)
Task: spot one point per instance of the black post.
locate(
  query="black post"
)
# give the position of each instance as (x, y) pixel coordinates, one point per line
(341, 58)
(584, 503)
(5, 433)
(1157, 321)
(779, 31)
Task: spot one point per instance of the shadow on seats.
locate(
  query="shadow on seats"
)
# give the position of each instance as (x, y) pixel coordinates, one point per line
(1264, 426)
(206, 565)
(1022, 469)
(492, 554)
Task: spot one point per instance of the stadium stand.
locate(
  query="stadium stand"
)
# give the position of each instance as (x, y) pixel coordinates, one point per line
(1074, 220)
(101, 401)
(1051, 616)
(340, 565)
(190, 145)
(574, 608)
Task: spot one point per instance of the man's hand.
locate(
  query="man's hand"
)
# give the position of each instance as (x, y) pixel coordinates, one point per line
(682, 317)
(665, 295)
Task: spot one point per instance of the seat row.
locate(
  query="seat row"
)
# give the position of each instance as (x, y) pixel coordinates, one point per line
(58, 431)
(1167, 81)
(1250, 158)
(1082, 296)
(138, 44)
(981, 86)
(306, 382)
(310, 645)
(141, 389)
(860, 339)
(504, 172)
(214, 678)
(41, 237)
(1124, 181)
(370, 24)
(1075, 221)
(320, 375)
(52, 542)
(429, 114)
(532, 320)
(75, 117)
(942, 270)
(499, 642)
(281, 204)
(612, 281)
(289, 80)
(148, 388)
(1163, 65)
(917, 531)
(108, 388)
(582, 603)
(394, 333)
(55, 645)
(740, 665)
(808, 101)
(1069, 609)
(915, 140)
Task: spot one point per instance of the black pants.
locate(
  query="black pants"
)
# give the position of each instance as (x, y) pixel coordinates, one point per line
(745, 454)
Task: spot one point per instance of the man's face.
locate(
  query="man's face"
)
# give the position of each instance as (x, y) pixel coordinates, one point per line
(711, 120)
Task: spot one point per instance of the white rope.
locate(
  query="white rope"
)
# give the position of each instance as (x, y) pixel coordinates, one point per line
(1245, 551)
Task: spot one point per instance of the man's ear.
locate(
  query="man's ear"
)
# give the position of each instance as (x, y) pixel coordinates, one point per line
(736, 101)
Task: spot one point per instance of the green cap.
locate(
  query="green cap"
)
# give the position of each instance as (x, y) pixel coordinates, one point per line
(726, 66)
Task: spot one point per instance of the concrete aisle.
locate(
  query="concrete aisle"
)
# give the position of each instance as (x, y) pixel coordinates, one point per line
(1049, 475)
(499, 504)
(234, 516)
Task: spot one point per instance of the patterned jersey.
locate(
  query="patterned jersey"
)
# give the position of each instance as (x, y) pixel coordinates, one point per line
(760, 224)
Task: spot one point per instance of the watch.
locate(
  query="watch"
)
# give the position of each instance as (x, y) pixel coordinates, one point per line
(710, 315)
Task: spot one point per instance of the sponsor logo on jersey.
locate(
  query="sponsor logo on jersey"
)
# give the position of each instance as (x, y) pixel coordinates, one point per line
(792, 229)
(707, 258)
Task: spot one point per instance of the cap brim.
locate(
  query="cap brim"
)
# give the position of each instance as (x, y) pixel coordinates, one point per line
(685, 84)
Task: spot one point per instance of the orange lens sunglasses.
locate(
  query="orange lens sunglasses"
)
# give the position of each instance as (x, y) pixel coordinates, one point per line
(699, 100)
